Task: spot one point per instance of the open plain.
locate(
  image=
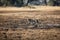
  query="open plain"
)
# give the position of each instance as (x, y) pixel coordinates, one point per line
(30, 23)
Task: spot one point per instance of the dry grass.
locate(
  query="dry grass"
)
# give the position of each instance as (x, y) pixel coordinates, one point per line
(30, 34)
(14, 15)
(37, 8)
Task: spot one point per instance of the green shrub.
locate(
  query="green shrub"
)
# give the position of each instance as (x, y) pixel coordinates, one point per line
(50, 3)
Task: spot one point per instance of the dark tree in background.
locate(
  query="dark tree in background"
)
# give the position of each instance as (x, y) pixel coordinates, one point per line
(26, 2)
(18, 2)
(45, 2)
(56, 2)
(12, 2)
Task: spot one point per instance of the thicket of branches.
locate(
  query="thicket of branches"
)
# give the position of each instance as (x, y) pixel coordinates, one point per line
(10, 2)
(21, 3)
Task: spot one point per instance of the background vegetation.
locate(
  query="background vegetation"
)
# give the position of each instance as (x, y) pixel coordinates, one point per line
(25, 2)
